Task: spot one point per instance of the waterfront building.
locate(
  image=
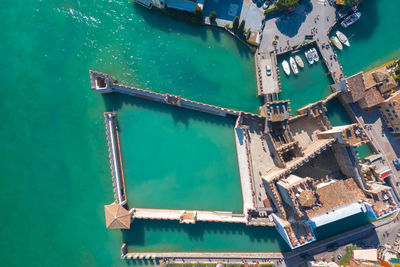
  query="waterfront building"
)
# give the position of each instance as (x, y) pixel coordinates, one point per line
(297, 173)
(354, 88)
(390, 111)
(117, 217)
(364, 257)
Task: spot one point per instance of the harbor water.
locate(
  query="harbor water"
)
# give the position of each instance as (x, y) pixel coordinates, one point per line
(54, 161)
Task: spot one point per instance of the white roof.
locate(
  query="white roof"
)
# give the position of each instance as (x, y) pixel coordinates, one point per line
(365, 254)
(337, 214)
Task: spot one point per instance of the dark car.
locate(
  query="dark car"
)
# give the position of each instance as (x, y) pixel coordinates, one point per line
(396, 164)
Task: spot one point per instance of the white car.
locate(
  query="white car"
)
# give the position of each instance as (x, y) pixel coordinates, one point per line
(268, 68)
(265, 6)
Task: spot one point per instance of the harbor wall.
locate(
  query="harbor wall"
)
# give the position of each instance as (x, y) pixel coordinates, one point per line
(111, 86)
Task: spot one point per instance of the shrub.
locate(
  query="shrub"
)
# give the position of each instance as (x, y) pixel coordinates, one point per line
(241, 27)
(198, 13)
(286, 4)
(213, 16)
(235, 24)
(271, 10)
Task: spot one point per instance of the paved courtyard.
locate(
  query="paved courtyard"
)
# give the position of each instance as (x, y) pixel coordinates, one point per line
(292, 28)
(227, 10)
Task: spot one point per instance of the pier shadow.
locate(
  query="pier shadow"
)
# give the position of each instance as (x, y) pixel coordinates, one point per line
(114, 102)
(289, 24)
(160, 20)
(262, 238)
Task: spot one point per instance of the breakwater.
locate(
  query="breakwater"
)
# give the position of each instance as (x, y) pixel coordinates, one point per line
(104, 83)
(114, 150)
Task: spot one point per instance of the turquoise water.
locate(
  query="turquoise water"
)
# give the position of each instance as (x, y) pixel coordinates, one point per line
(363, 151)
(147, 235)
(374, 39)
(310, 85)
(55, 169)
(178, 159)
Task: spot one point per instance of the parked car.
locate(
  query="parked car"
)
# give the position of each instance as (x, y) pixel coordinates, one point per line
(268, 68)
(265, 6)
(396, 164)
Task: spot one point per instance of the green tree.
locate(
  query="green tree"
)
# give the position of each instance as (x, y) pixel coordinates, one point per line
(286, 4)
(350, 2)
(241, 27)
(276, 37)
(235, 24)
(213, 16)
(198, 13)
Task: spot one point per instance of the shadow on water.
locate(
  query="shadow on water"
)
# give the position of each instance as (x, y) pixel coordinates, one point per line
(156, 19)
(201, 231)
(336, 114)
(289, 25)
(368, 22)
(115, 102)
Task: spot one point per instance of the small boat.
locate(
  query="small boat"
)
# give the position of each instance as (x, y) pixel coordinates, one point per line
(285, 66)
(350, 19)
(293, 65)
(337, 43)
(299, 61)
(309, 57)
(315, 54)
(342, 38)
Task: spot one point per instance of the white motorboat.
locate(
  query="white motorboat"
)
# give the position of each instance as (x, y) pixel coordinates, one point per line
(286, 68)
(293, 65)
(342, 38)
(309, 57)
(315, 54)
(299, 61)
(350, 19)
(337, 43)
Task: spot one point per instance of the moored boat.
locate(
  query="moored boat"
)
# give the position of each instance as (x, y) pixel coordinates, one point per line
(350, 19)
(286, 68)
(309, 57)
(315, 54)
(299, 61)
(337, 43)
(342, 38)
(293, 66)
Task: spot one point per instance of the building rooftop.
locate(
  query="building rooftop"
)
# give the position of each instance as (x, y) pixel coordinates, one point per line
(356, 87)
(336, 194)
(365, 254)
(372, 98)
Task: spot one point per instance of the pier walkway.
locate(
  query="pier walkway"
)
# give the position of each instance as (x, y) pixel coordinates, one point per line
(103, 83)
(206, 257)
(115, 158)
(185, 216)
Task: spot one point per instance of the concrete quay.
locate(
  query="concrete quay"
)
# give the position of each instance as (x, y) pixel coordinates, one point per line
(314, 18)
